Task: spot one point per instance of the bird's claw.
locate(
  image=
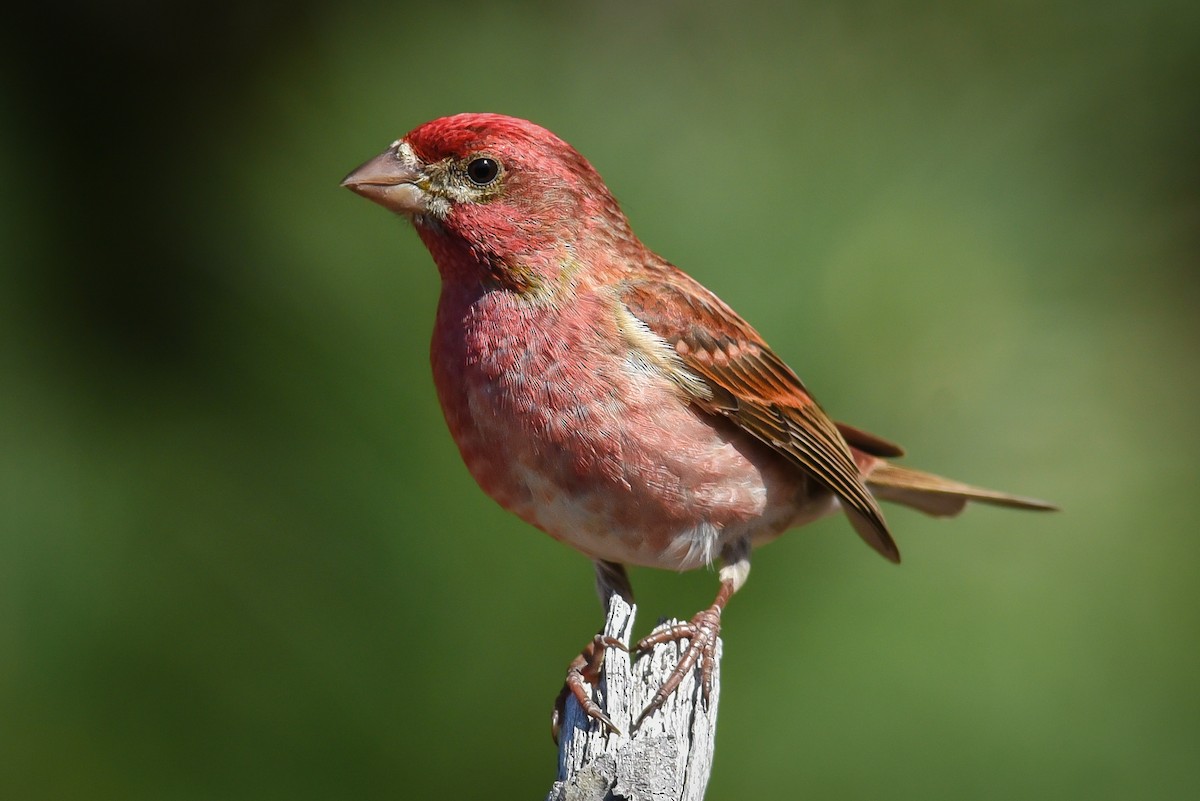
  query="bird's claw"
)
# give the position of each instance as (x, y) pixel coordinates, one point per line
(584, 672)
(701, 633)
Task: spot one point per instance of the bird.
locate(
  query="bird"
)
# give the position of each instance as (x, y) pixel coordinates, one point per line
(609, 399)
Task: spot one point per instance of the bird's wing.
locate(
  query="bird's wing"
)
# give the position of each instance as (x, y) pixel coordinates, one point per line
(742, 379)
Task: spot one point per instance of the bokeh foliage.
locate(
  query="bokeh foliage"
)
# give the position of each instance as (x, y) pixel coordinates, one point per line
(239, 556)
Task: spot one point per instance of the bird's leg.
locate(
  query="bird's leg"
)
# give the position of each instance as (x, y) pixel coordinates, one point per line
(611, 579)
(584, 670)
(701, 632)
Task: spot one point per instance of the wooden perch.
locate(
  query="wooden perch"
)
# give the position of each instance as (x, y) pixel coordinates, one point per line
(669, 757)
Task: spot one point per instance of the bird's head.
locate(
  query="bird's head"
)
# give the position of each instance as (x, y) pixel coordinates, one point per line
(499, 189)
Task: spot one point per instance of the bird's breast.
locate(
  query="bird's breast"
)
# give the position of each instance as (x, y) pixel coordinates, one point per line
(559, 423)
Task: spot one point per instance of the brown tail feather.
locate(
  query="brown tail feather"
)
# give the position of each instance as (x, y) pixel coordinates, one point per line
(935, 495)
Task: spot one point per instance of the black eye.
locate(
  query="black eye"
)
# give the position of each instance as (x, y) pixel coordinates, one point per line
(482, 171)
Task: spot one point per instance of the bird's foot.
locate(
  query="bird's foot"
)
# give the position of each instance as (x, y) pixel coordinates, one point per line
(583, 673)
(701, 633)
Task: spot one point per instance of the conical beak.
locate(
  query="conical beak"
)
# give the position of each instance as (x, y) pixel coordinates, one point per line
(391, 181)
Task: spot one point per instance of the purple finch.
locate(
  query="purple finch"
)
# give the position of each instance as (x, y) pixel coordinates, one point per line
(606, 397)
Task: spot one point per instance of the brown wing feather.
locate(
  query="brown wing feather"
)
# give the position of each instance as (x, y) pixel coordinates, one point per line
(867, 442)
(754, 388)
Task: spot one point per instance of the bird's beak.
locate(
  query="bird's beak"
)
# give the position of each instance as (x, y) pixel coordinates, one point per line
(393, 179)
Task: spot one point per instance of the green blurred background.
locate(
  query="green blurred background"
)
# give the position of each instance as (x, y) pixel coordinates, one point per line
(240, 557)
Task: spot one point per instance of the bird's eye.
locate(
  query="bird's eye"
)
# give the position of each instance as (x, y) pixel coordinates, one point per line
(482, 171)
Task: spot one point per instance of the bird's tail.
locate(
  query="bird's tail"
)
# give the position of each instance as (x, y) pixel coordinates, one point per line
(934, 495)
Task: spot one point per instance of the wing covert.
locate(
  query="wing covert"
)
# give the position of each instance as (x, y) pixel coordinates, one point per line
(750, 385)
